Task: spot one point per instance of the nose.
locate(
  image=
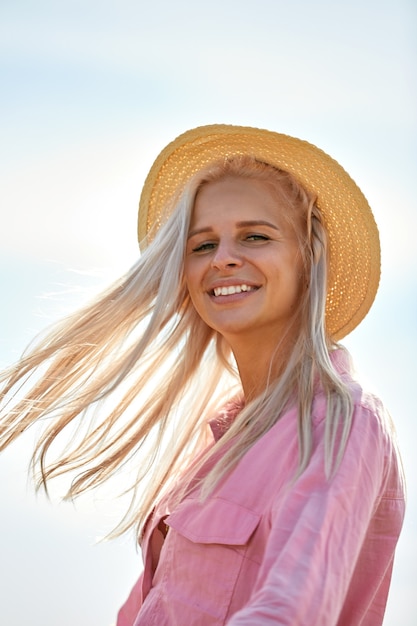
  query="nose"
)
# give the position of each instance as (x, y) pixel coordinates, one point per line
(226, 256)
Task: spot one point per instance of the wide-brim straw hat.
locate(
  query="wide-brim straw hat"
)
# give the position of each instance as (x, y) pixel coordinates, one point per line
(354, 249)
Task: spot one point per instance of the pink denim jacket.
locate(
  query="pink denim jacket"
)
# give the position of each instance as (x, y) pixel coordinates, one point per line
(264, 549)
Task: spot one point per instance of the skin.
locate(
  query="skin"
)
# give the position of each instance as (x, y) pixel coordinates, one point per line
(239, 237)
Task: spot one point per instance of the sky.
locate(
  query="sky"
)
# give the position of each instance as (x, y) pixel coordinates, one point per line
(91, 92)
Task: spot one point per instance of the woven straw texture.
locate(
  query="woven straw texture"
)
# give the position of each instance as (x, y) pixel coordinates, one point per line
(354, 249)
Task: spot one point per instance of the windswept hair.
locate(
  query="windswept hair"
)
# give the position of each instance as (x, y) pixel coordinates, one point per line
(133, 377)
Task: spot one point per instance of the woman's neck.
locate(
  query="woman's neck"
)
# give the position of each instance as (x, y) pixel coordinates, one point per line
(259, 364)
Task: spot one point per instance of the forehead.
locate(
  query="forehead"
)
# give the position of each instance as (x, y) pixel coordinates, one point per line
(240, 198)
(233, 189)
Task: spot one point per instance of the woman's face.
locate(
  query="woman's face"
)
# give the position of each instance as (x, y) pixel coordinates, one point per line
(243, 266)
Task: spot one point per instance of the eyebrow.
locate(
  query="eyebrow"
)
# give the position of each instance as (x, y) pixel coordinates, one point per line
(208, 229)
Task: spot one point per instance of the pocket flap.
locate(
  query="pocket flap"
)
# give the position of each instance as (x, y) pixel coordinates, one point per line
(214, 521)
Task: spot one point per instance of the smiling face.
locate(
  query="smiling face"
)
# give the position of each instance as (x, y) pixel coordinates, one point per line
(243, 266)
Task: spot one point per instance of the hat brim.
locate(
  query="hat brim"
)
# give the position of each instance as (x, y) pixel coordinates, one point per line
(354, 248)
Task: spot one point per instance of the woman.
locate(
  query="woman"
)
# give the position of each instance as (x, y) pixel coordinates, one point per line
(284, 505)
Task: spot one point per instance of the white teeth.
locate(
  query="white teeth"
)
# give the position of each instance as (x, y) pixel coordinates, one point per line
(228, 291)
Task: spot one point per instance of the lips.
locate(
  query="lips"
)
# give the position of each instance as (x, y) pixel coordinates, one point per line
(230, 290)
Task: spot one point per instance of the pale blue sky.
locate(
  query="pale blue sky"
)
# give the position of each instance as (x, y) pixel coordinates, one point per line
(91, 91)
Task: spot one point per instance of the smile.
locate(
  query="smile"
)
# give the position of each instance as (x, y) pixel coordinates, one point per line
(232, 289)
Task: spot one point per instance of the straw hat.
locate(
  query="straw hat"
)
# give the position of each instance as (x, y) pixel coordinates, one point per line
(354, 250)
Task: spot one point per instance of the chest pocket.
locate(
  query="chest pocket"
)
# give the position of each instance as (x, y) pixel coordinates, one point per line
(214, 521)
(203, 559)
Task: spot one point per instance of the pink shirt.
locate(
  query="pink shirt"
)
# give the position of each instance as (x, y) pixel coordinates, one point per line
(263, 550)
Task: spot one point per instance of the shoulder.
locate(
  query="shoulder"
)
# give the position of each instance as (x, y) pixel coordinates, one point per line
(372, 435)
(372, 431)
(368, 409)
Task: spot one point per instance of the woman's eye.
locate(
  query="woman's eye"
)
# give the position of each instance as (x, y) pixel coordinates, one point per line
(257, 237)
(204, 247)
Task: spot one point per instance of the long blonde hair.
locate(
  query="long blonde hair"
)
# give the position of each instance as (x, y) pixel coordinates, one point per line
(139, 373)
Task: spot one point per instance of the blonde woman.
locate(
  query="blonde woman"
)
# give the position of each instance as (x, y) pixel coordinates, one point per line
(269, 487)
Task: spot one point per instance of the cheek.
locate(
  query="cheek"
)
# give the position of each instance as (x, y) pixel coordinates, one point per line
(301, 281)
(189, 279)
(303, 270)
(192, 277)
(296, 278)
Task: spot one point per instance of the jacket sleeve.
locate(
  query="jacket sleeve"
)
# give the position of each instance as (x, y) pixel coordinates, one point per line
(318, 531)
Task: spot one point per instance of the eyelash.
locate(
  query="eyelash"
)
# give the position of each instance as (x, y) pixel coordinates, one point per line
(203, 247)
(258, 237)
(208, 245)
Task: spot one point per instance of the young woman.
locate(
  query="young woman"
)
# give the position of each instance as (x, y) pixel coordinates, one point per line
(269, 486)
